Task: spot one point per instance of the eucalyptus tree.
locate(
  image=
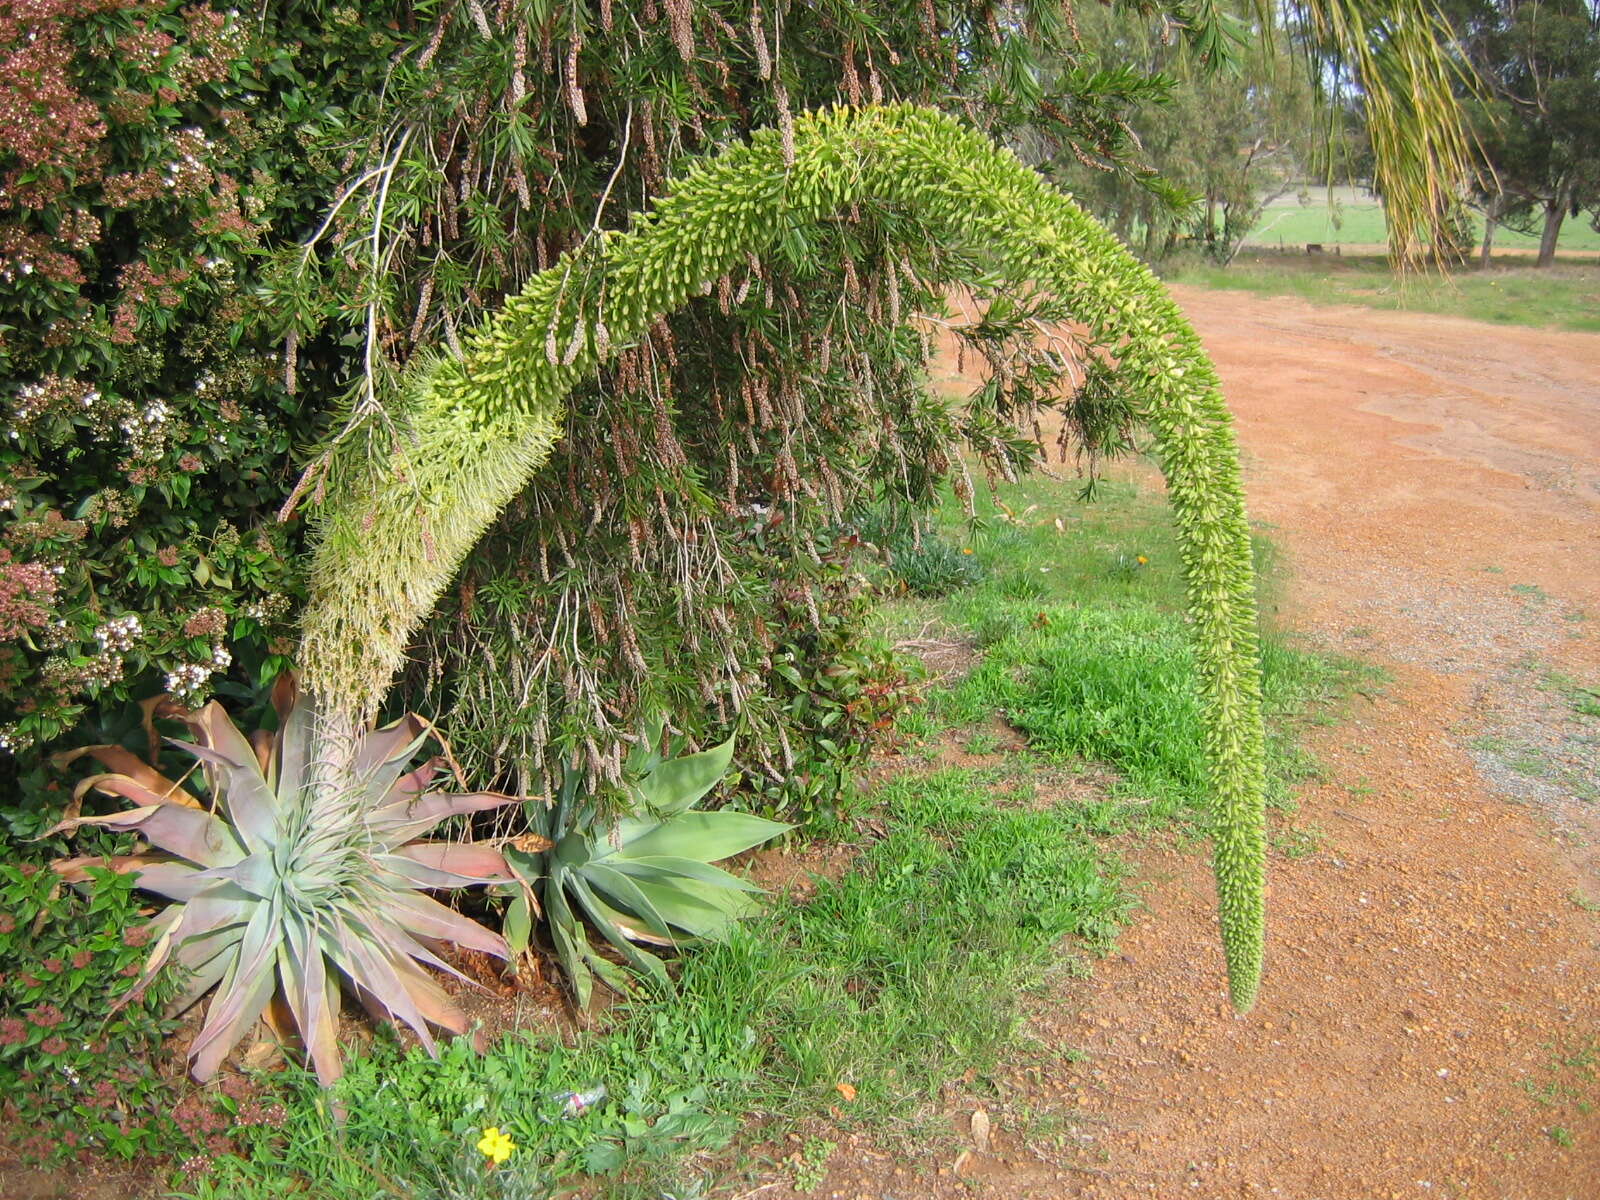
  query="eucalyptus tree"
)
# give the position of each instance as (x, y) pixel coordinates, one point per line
(1538, 121)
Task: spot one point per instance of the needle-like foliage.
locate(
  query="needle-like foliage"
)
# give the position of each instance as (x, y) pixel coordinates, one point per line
(477, 426)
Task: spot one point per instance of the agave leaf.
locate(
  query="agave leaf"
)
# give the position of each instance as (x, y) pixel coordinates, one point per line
(220, 906)
(384, 753)
(396, 824)
(314, 1004)
(641, 960)
(242, 995)
(678, 784)
(413, 784)
(202, 978)
(190, 833)
(131, 789)
(674, 905)
(458, 864)
(517, 925)
(650, 866)
(628, 894)
(353, 947)
(193, 951)
(403, 943)
(613, 976)
(250, 801)
(294, 752)
(257, 874)
(430, 999)
(427, 918)
(567, 935)
(631, 927)
(705, 836)
(169, 877)
(125, 762)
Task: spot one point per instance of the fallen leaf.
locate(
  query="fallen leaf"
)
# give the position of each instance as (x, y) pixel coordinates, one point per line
(847, 1090)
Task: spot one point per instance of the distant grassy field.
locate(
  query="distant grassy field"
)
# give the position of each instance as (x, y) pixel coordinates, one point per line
(1563, 296)
(1356, 219)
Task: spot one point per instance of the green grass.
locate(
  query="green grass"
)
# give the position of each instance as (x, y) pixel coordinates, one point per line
(1357, 220)
(1563, 296)
(1086, 650)
(972, 890)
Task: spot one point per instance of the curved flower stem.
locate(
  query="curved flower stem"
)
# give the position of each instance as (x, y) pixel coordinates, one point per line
(480, 426)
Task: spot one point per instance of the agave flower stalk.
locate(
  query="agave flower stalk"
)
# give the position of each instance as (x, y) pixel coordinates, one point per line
(284, 885)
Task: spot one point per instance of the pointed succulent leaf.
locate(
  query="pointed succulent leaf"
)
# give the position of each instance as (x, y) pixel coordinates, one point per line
(130, 788)
(241, 996)
(396, 824)
(202, 978)
(368, 965)
(702, 872)
(243, 790)
(567, 935)
(448, 864)
(427, 918)
(678, 784)
(293, 765)
(125, 762)
(256, 874)
(679, 907)
(643, 961)
(517, 925)
(626, 893)
(169, 877)
(706, 836)
(413, 784)
(306, 986)
(189, 833)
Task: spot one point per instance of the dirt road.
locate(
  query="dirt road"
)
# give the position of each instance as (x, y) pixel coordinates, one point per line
(1430, 1022)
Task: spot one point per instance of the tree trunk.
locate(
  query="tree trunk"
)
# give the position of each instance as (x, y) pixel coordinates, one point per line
(1147, 214)
(1555, 211)
(1490, 214)
(1211, 220)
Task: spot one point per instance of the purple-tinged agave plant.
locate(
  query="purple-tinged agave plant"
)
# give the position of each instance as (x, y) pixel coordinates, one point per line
(282, 886)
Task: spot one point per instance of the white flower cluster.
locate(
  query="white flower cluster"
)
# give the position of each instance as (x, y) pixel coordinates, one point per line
(120, 633)
(187, 679)
(146, 428)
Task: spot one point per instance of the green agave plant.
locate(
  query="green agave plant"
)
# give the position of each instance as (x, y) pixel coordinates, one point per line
(644, 879)
(286, 889)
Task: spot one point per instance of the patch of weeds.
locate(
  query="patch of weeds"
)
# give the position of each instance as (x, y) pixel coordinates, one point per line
(1531, 593)
(1296, 841)
(1572, 1078)
(984, 741)
(809, 1164)
(1561, 1136)
(1583, 902)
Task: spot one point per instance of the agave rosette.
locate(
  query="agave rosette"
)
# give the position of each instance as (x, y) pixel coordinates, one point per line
(644, 879)
(285, 888)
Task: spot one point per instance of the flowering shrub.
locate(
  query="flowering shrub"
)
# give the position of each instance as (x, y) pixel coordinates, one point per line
(74, 1074)
(152, 155)
(127, 217)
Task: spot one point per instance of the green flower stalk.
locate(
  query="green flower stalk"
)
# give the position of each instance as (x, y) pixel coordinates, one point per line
(477, 427)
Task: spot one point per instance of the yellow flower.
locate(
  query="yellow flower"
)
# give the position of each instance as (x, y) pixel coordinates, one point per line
(1143, 560)
(495, 1145)
(966, 549)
